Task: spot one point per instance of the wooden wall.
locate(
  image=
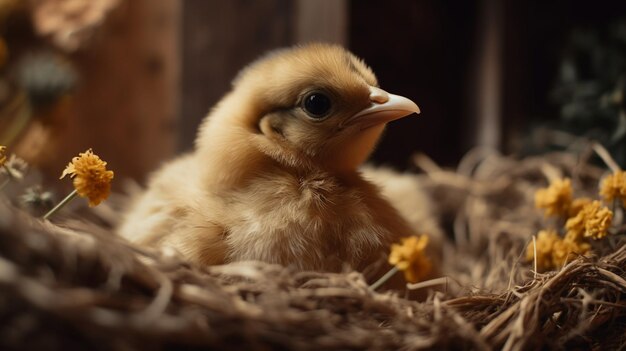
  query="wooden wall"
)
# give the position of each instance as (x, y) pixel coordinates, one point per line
(126, 103)
(221, 37)
(423, 50)
(218, 39)
(157, 68)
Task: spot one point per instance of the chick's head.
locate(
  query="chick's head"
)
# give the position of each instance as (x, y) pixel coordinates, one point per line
(318, 102)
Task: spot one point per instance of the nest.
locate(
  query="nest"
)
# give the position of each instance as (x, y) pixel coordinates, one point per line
(78, 286)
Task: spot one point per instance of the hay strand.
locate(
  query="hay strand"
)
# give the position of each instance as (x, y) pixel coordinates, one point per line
(78, 286)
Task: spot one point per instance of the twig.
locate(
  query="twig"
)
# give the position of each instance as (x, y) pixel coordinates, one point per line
(605, 156)
(20, 123)
(426, 163)
(63, 202)
(428, 283)
(384, 278)
(535, 257)
(5, 183)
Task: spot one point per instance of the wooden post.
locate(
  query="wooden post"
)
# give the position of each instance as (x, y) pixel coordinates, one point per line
(488, 92)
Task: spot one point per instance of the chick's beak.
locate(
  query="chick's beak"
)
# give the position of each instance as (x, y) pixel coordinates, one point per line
(384, 108)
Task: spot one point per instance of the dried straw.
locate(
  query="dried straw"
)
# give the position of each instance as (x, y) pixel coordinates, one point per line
(78, 286)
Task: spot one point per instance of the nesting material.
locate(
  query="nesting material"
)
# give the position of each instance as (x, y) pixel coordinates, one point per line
(78, 286)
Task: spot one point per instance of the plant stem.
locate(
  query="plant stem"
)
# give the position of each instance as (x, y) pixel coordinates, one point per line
(428, 283)
(5, 183)
(63, 202)
(605, 156)
(10, 176)
(22, 111)
(384, 278)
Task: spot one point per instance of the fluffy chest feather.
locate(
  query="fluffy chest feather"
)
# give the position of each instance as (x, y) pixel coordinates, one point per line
(312, 222)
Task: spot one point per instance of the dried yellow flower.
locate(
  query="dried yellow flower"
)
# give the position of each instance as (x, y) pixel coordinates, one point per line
(90, 177)
(614, 187)
(555, 199)
(544, 245)
(3, 156)
(410, 258)
(553, 252)
(593, 221)
(576, 226)
(599, 223)
(577, 205)
(565, 250)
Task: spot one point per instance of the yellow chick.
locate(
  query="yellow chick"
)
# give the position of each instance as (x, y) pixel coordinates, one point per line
(274, 173)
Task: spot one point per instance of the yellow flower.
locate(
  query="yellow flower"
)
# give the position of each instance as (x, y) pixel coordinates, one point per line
(577, 205)
(556, 198)
(544, 245)
(553, 252)
(593, 221)
(566, 250)
(410, 258)
(90, 177)
(614, 187)
(3, 156)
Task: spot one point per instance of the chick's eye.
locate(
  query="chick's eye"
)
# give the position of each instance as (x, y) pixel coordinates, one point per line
(317, 105)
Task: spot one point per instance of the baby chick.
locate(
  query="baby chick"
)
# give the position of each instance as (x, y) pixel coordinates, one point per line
(274, 174)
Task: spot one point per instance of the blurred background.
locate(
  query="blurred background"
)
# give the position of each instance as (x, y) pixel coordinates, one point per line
(133, 78)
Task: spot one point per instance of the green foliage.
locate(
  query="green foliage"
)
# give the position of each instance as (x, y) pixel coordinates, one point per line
(591, 84)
